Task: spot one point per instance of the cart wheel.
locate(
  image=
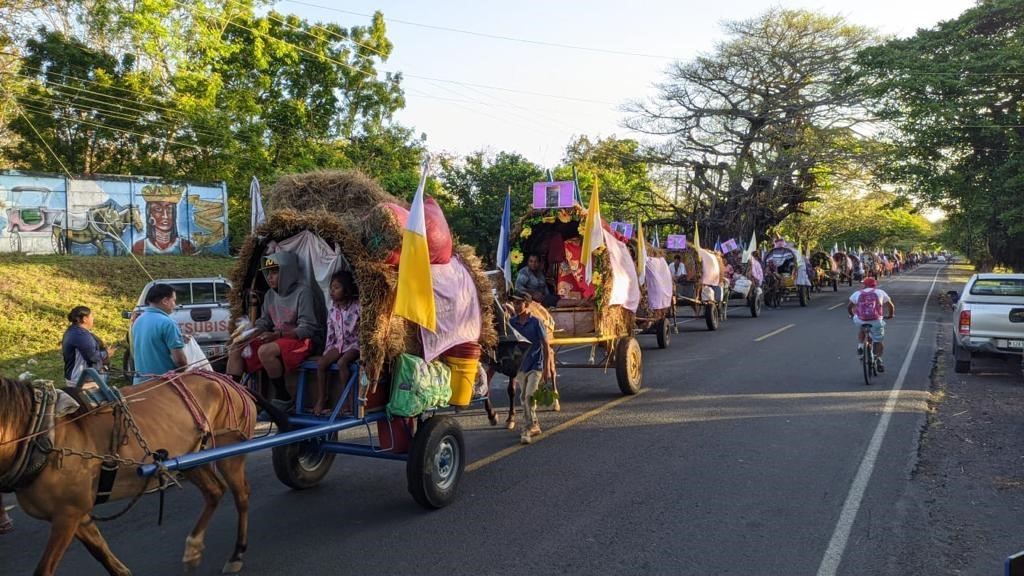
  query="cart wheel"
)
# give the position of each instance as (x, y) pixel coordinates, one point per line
(711, 316)
(663, 332)
(755, 304)
(15, 241)
(436, 462)
(629, 365)
(803, 293)
(303, 464)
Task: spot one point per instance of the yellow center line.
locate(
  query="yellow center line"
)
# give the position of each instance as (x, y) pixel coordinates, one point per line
(837, 305)
(506, 452)
(773, 333)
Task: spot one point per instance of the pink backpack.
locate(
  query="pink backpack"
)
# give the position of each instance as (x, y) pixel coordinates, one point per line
(869, 305)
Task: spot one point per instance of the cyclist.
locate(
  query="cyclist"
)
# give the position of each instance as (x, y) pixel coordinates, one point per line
(871, 305)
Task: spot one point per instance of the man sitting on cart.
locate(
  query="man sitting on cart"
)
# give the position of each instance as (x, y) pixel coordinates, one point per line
(288, 329)
(530, 280)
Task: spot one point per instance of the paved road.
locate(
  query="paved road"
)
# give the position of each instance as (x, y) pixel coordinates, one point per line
(745, 454)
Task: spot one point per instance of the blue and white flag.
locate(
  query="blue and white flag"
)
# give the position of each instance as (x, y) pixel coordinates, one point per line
(504, 245)
(718, 244)
(656, 242)
(576, 186)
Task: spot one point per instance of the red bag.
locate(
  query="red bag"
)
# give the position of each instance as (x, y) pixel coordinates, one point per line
(439, 236)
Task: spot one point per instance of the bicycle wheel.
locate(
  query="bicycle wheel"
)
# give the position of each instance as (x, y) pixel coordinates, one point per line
(868, 360)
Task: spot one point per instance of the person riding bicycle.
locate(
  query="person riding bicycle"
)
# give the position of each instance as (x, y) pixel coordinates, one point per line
(871, 305)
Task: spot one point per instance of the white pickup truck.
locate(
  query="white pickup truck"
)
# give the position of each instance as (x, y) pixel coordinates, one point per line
(989, 318)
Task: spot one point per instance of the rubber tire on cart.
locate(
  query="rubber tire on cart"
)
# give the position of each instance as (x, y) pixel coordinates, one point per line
(803, 292)
(711, 316)
(755, 304)
(663, 332)
(436, 462)
(302, 465)
(629, 365)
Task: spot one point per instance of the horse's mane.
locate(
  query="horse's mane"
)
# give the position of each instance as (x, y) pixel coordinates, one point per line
(15, 407)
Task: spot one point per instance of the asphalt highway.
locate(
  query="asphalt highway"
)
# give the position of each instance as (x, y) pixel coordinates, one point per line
(755, 449)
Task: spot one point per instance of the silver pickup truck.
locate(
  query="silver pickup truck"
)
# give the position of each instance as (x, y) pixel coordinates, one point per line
(989, 318)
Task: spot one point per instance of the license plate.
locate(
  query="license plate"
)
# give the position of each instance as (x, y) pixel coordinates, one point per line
(214, 350)
(1015, 344)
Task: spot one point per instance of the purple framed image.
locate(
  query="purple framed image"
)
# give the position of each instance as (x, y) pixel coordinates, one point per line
(623, 228)
(553, 195)
(675, 242)
(729, 245)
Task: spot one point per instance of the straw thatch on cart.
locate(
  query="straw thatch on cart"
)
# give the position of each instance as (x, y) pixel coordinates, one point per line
(334, 206)
(530, 234)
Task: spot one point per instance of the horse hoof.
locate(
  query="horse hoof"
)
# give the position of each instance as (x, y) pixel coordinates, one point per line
(232, 567)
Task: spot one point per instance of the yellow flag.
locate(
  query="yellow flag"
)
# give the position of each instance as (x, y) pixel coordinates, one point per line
(696, 237)
(593, 233)
(415, 298)
(641, 253)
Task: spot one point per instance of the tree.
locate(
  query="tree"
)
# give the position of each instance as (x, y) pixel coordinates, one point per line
(953, 97)
(759, 126)
(476, 186)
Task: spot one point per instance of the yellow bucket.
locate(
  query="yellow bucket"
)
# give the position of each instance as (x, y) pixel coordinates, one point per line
(464, 373)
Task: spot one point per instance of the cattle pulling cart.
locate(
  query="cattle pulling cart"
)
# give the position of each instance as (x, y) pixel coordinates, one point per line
(343, 221)
(786, 276)
(600, 314)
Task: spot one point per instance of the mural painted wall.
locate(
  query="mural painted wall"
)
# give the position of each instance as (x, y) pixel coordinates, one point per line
(46, 214)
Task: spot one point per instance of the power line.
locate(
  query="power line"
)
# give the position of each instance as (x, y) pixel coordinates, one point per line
(492, 36)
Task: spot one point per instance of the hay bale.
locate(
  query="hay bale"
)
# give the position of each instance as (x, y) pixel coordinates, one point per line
(380, 232)
(336, 191)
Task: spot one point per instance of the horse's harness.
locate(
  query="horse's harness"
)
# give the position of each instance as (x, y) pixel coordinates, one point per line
(33, 453)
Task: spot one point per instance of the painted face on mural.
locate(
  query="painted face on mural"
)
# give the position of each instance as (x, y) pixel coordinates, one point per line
(161, 215)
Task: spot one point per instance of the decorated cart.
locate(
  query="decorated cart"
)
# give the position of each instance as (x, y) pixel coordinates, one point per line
(705, 286)
(600, 313)
(786, 276)
(843, 264)
(344, 221)
(745, 281)
(825, 273)
(657, 311)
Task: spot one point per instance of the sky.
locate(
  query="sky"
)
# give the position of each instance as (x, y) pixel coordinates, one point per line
(470, 92)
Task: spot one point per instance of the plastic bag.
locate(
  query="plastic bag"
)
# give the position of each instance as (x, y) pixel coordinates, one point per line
(195, 357)
(417, 386)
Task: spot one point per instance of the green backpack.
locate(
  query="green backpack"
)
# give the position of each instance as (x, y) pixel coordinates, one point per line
(418, 386)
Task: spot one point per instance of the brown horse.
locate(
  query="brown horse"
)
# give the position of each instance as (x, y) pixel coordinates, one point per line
(171, 416)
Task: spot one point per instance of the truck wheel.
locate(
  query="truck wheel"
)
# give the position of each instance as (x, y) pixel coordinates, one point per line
(663, 332)
(629, 367)
(436, 462)
(303, 464)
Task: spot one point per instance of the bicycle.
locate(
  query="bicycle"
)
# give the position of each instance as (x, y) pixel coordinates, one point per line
(868, 355)
(868, 359)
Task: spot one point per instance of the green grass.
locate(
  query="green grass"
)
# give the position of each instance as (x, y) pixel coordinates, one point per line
(37, 292)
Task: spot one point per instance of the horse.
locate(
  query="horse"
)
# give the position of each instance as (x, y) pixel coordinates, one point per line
(174, 415)
(772, 285)
(104, 222)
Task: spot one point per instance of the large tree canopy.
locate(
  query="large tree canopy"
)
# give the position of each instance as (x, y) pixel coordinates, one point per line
(758, 125)
(954, 97)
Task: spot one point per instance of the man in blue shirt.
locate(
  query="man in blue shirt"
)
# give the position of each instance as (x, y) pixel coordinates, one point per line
(534, 367)
(157, 345)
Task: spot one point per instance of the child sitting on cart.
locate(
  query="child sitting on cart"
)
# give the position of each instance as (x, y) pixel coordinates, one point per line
(342, 337)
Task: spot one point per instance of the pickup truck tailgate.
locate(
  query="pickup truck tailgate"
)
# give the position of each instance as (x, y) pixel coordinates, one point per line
(1004, 320)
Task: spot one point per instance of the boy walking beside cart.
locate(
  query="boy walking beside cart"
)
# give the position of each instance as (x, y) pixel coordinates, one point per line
(534, 368)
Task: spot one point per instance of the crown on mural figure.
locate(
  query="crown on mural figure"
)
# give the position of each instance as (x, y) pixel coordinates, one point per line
(162, 193)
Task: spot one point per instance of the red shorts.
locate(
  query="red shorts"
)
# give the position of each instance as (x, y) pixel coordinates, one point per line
(293, 352)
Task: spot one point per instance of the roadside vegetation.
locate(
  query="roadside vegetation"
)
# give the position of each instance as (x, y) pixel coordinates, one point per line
(37, 292)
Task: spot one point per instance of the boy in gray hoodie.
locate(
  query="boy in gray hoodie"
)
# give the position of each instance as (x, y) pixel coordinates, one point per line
(290, 327)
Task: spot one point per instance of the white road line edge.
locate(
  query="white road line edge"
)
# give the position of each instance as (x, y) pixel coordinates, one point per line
(841, 536)
(838, 305)
(774, 332)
